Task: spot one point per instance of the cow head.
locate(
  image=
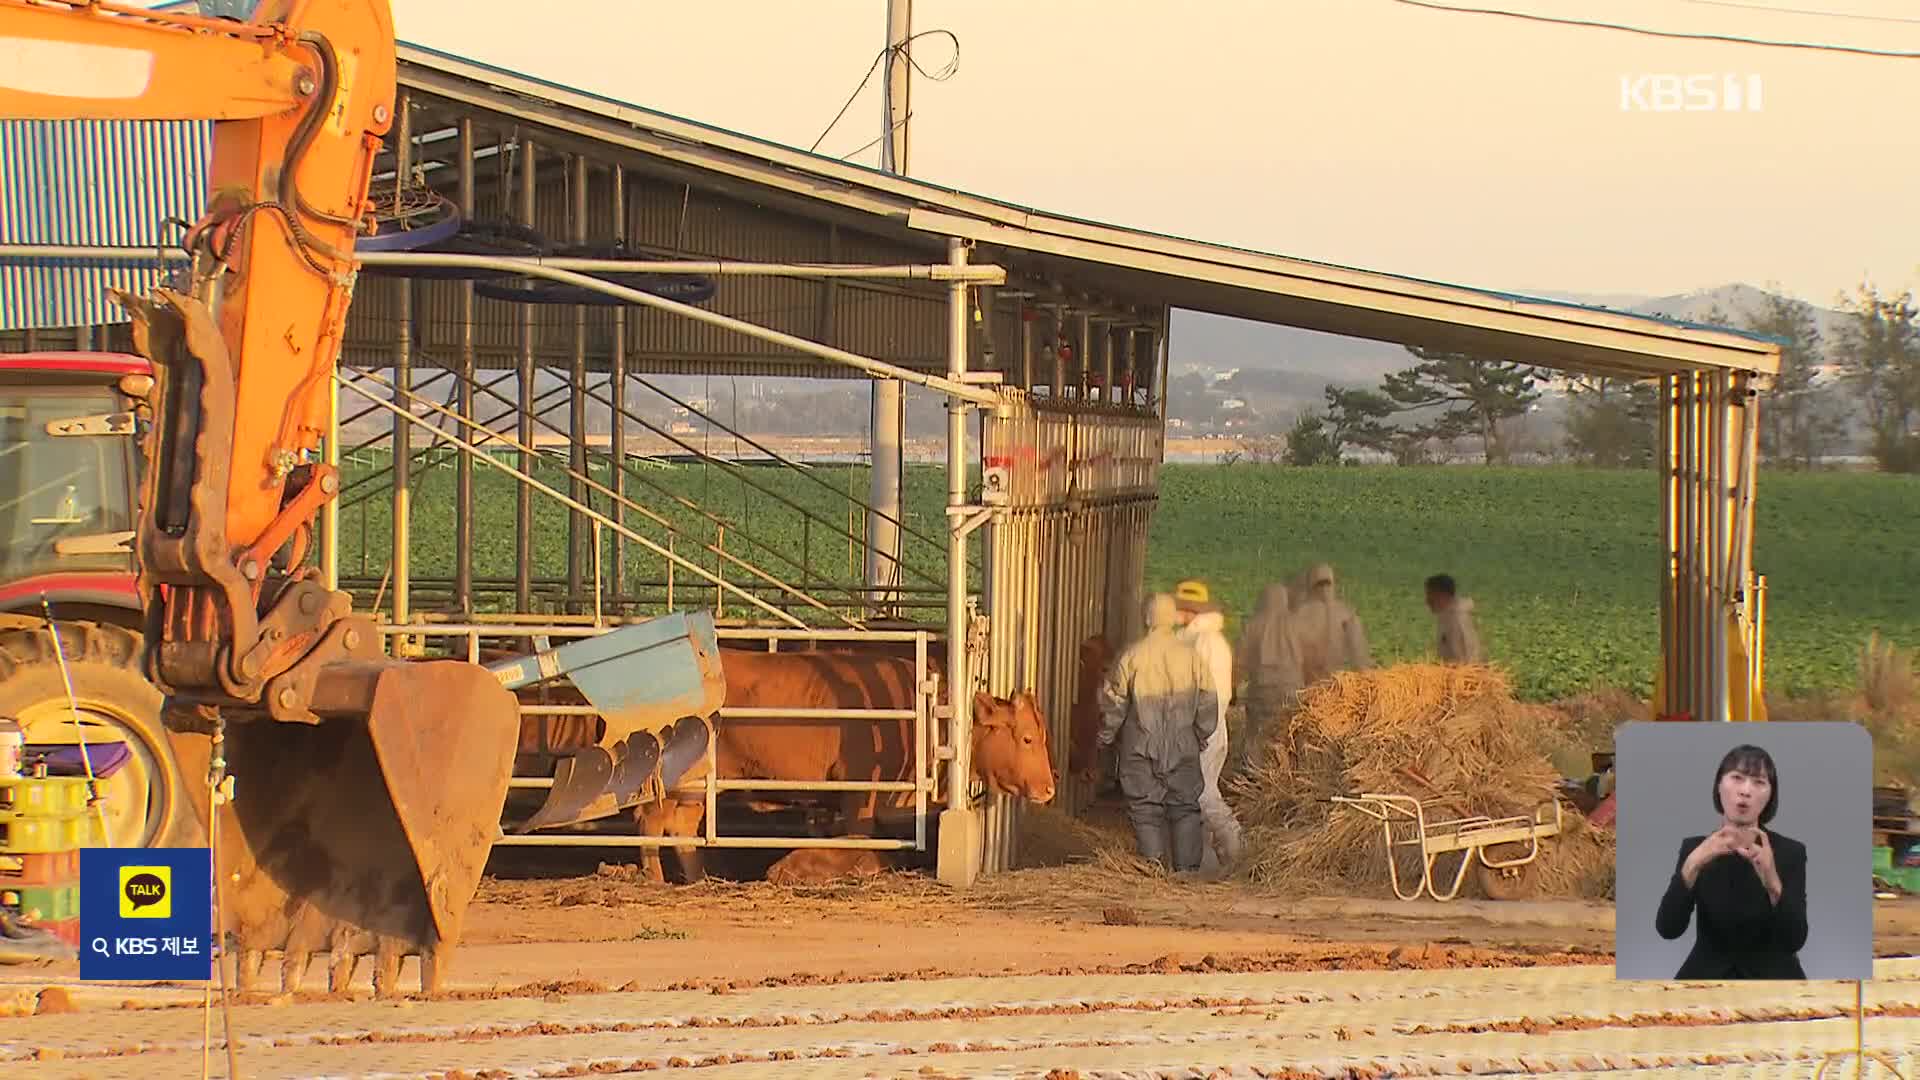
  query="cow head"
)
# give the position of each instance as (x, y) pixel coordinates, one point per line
(1010, 750)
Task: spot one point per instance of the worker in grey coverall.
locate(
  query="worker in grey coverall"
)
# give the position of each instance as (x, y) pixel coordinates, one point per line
(1159, 703)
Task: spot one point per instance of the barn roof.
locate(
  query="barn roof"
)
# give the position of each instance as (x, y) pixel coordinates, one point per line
(1134, 265)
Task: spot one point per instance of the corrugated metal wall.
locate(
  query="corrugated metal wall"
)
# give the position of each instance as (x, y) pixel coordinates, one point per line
(97, 183)
(110, 183)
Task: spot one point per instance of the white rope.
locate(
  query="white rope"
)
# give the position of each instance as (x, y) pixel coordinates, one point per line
(94, 800)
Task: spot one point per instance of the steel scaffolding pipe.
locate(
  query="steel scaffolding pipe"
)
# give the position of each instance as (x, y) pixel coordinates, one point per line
(973, 273)
(528, 480)
(626, 504)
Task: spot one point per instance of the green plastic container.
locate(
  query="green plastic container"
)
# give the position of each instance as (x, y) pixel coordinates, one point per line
(1907, 877)
(43, 905)
(1882, 860)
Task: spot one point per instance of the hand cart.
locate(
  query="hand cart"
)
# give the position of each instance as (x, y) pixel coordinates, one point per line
(1404, 824)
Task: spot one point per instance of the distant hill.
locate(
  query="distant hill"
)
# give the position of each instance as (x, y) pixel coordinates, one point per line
(1277, 371)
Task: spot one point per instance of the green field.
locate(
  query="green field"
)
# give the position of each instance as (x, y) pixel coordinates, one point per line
(1562, 563)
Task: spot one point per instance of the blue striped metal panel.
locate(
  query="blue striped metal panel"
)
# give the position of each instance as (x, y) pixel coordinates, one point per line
(99, 183)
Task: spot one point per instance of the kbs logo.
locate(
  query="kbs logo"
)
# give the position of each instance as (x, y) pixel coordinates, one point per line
(1690, 93)
(146, 892)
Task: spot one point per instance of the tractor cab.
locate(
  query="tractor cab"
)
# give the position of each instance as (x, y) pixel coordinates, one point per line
(70, 469)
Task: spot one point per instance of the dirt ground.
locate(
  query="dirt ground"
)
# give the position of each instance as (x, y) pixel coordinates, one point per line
(610, 927)
(565, 918)
(607, 929)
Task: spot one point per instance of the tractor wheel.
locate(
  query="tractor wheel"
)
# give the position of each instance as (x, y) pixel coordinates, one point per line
(146, 801)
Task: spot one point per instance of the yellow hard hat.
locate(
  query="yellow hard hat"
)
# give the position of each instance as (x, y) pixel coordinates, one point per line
(1193, 595)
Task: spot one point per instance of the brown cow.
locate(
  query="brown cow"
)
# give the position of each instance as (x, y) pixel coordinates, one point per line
(1010, 748)
(1011, 752)
(1096, 656)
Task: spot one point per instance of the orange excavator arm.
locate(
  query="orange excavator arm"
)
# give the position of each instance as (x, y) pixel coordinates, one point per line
(301, 97)
(243, 347)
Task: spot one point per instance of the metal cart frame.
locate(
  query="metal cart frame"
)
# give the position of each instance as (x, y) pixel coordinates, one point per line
(1404, 823)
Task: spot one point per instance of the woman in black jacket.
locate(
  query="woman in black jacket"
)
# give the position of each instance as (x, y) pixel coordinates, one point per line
(1748, 884)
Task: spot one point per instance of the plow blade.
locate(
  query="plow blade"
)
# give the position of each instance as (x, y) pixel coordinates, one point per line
(364, 834)
(647, 681)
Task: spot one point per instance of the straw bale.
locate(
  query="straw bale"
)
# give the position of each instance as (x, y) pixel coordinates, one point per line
(1450, 735)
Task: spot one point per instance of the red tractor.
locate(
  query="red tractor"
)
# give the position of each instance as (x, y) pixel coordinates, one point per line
(69, 474)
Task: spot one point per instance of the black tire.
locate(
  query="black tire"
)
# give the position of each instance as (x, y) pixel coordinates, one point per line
(116, 701)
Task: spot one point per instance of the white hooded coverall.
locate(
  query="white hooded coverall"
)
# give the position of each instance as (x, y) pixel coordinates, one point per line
(1207, 634)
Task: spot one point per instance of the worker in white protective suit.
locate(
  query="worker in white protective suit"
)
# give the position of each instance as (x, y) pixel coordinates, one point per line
(1204, 625)
(1328, 631)
(1268, 662)
(1157, 702)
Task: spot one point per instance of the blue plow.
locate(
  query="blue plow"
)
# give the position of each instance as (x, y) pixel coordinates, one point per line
(657, 686)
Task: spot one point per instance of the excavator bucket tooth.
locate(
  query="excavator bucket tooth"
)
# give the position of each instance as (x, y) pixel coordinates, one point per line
(635, 766)
(364, 834)
(578, 780)
(684, 747)
(643, 679)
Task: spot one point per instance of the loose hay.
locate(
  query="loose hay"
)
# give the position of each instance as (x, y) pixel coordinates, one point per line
(1050, 837)
(1452, 736)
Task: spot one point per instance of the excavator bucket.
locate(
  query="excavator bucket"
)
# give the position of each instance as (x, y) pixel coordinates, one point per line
(364, 834)
(655, 684)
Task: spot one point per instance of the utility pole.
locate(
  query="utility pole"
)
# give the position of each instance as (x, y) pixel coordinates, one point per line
(888, 414)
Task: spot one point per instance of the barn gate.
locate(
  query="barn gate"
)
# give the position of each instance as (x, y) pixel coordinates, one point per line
(1075, 484)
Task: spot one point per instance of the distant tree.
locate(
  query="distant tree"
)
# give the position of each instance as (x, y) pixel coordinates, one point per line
(1356, 417)
(1471, 395)
(1613, 423)
(1880, 351)
(1311, 442)
(1801, 418)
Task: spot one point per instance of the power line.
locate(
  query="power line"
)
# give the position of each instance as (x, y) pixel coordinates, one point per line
(1808, 11)
(1732, 38)
(906, 53)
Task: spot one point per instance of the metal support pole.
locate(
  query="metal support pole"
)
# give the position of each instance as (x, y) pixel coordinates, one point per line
(1689, 525)
(1133, 367)
(577, 395)
(1745, 498)
(617, 426)
(959, 861)
(1056, 389)
(463, 463)
(402, 563)
(1026, 347)
(897, 105)
(1717, 565)
(1669, 545)
(1697, 529)
(887, 419)
(1083, 355)
(1160, 339)
(523, 495)
(1108, 393)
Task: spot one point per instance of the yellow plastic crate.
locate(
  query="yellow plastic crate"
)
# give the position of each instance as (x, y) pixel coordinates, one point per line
(54, 796)
(19, 833)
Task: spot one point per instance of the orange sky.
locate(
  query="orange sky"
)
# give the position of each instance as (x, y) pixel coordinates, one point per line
(1481, 150)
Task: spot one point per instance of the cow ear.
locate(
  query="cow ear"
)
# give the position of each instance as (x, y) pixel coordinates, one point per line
(986, 710)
